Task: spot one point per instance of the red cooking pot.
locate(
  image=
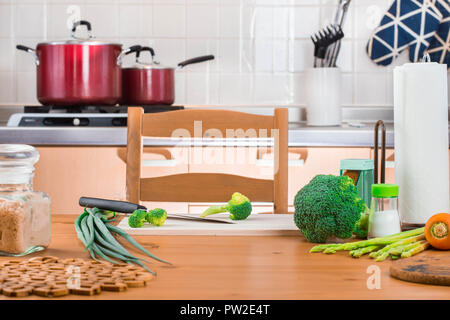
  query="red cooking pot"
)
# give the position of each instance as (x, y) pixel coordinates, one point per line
(151, 83)
(78, 71)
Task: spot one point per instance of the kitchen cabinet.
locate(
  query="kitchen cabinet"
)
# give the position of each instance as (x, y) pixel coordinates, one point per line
(304, 163)
(320, 160)
(390, 164)
(66, 173)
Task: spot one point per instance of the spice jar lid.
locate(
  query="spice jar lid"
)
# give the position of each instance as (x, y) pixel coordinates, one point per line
(385, 190)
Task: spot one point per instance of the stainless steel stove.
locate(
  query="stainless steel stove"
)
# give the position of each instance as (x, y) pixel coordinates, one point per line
(85, 116)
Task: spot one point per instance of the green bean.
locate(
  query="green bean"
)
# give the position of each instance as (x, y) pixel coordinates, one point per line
(90, 225)
(101, 226)
(108, 245)
(85, 231)
(133, 242)
(121, 257)
(97, 235)
(78, 227)
(99, 252)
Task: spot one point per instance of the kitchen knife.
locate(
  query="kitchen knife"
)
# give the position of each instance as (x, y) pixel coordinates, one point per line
(129, 207)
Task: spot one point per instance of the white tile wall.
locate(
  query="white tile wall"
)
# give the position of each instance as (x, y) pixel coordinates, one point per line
(262, 47)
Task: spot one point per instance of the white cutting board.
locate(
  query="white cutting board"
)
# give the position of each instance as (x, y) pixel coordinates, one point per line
(254, 225)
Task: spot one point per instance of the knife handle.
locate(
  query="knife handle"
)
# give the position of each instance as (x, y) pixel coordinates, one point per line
(112, 205)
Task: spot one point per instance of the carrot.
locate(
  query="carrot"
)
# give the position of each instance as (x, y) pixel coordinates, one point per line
(437, 231)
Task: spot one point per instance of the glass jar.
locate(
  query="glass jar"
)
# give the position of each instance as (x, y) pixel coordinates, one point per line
(384, 218)
(24, 213)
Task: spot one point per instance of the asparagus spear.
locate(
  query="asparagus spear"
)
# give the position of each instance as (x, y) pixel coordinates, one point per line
(415, 250)
(332, 248)
(362, 251)
(382, 254)
(398, 250)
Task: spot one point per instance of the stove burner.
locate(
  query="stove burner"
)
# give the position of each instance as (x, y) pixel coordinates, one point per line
(79, 116)
(97, 109)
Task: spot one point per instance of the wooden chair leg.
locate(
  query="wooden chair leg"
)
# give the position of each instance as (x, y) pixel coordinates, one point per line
(281, 136)
(134, 154)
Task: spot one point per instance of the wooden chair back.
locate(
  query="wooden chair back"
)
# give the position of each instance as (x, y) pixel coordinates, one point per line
(206, 187)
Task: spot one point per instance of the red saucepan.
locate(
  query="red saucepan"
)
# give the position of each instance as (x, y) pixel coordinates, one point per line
(151, 83)
(78, 71)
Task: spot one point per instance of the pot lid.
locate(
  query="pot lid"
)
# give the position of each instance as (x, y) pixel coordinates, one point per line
(144, 65)
(89, 40)
(79, 41)
(153, 64)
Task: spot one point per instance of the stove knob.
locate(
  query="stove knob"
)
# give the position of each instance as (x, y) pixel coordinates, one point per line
(76, 122)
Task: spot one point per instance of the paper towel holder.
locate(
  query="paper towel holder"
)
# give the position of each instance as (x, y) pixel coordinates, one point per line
(426, 57)
(383, 152)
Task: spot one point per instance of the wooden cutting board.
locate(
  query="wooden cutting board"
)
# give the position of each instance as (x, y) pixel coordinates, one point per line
(429, 267)
(254, 225)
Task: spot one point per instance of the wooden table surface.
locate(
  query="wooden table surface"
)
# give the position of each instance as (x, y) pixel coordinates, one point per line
(232, 267)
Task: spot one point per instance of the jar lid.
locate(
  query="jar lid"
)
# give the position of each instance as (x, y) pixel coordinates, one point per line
(17, 163)
(384, 190)
(18, 154)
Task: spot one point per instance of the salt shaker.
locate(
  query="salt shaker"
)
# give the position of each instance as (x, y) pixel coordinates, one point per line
(384, 217)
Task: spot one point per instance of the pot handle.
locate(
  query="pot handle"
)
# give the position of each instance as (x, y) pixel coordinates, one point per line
(195, 60)
(29, 50)
(129, 50)
(76, 24)
(138, 53)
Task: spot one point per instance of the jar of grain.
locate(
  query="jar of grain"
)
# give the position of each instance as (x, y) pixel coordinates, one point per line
(24, 213)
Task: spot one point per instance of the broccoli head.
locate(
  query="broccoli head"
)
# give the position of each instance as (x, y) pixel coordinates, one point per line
(137, 218)
(239, 207)
(156, 216)
(329, 206)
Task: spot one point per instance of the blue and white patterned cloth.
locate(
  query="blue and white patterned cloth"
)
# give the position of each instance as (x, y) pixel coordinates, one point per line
(419, 25)
(439, 48)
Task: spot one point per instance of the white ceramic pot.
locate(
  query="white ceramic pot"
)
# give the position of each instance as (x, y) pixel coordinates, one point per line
(323, 96)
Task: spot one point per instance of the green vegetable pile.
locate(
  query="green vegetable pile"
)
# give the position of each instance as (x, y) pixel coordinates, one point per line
(239, 207)
(400, 245)
(156, 217)
(95, 230)
(329, 206)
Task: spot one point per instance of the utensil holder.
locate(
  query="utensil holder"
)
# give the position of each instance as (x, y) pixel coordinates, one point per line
(323, 96)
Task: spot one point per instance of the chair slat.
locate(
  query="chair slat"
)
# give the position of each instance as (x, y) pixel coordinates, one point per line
(204, 187)
(165, 124)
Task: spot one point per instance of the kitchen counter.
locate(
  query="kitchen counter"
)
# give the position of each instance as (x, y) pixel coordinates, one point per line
(299, 136)
(356, 131)
(207, 267)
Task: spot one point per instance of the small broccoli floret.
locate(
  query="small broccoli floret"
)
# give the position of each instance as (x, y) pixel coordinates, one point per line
(362, 225)
(239, 207)
(329, 206)
(137, 218)
(156, 216)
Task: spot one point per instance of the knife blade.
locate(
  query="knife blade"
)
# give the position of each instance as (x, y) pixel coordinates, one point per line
(129, 207)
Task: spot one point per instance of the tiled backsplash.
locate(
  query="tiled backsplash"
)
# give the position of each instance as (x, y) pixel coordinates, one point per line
(262, 47)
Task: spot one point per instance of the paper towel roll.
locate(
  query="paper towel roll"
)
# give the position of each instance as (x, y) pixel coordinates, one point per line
(421, 140)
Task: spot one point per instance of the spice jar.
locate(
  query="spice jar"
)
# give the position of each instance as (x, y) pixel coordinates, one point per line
(24, 213)
(384, 218)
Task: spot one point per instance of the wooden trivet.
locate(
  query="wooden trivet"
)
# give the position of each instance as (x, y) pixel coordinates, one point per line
(54, 277)
(430, 267)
